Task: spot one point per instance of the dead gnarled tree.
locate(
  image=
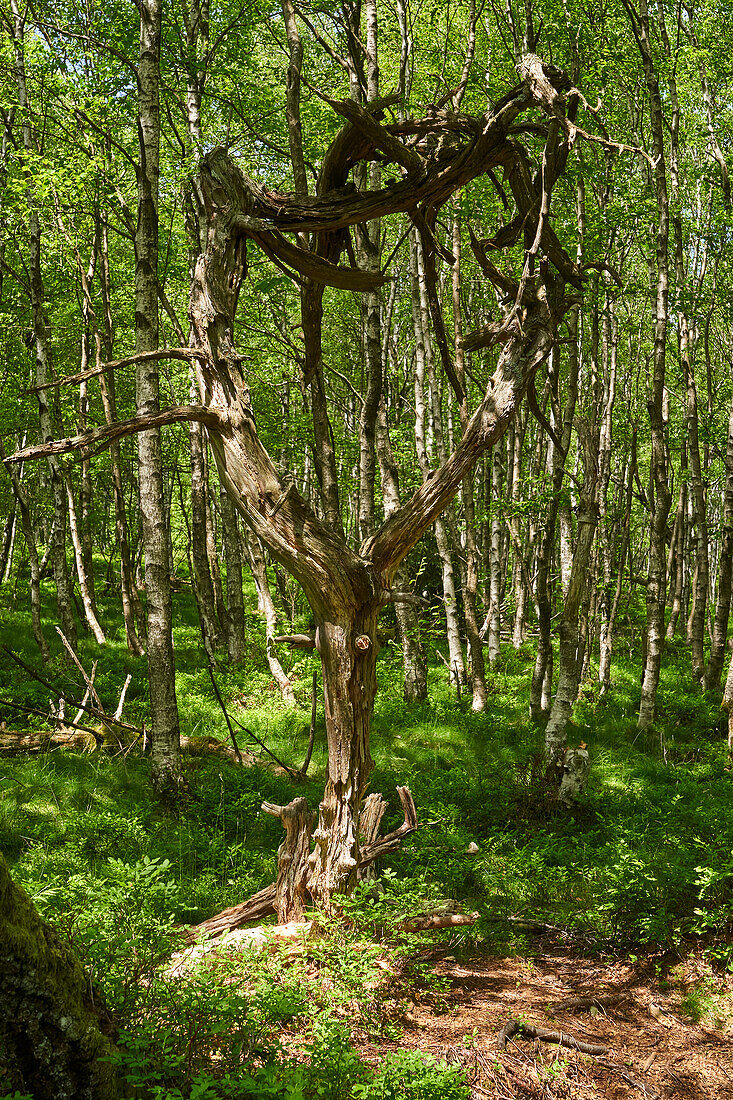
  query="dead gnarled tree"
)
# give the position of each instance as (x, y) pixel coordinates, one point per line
(306, 235)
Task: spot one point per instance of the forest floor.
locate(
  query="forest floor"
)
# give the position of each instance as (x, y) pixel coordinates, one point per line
(639, 878)
(655, 1049)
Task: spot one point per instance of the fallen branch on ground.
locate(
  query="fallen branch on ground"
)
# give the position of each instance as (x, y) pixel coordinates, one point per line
(105, 718)
(515, 1027)
(428, 921)
(31, 734)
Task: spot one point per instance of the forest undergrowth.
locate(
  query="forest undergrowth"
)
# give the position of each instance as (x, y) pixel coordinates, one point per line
(644, 866)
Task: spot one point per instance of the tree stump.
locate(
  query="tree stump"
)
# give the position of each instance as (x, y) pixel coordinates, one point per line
(292, 858)
(370, 820)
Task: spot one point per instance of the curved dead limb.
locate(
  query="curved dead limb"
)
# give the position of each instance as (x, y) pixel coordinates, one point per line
(515, 1027)
(187, 354)
(297, 641)
(94, 442)
(311, 265)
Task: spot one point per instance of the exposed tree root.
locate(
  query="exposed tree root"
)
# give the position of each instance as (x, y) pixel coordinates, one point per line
(514, 1027)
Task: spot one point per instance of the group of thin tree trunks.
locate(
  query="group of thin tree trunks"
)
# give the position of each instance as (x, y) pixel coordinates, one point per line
(480, 342)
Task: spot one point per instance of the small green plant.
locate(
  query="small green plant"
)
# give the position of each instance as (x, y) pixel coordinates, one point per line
(705, 1003)
(335, 1071)
(412, 1075)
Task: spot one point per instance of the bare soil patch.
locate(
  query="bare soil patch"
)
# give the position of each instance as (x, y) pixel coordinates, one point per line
(655, 1049)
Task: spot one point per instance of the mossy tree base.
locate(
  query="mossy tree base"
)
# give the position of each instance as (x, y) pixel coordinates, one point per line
(53, 1036)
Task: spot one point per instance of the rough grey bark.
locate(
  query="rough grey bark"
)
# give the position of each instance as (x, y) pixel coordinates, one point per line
(165, 732)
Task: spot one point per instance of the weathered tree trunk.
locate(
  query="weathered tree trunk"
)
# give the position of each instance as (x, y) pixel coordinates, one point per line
(55, 1038)
(165, 733)
(291, 886)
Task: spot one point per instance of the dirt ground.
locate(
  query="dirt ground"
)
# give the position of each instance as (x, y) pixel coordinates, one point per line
(655, 1050)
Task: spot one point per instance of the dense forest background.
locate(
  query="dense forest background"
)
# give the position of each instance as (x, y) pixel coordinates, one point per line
(367, 421)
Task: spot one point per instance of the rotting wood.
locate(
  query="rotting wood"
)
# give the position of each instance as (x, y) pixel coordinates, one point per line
(292, 858)
(263, 903)
(531, 1031)
(427, 922)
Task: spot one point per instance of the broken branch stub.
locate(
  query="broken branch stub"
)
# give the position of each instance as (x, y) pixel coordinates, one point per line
(292, 858)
